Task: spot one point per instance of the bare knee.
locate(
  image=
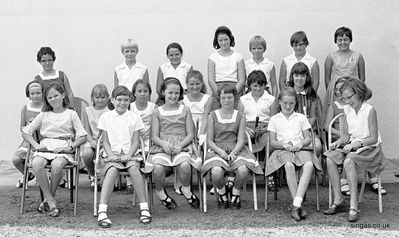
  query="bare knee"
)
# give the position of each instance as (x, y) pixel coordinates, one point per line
(349, 164)
(87, 155)
(185, 167)
(289, 168)
(242, 171)
(217, 172)
(159, 170)
(38, 163)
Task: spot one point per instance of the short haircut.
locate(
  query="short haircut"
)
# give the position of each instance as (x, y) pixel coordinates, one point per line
(256, 76)
(298, 37)
(341, 32)
(223, 30)
(257, 39)
(119, 91)
(27, 88)
(143, 82)
(288, 91)
(129, 43)
(43, 51)
(197, 75)
(228, 89)
(174, 46)
(99, 89)
(358, 87)
(58, 87)
(165, 83)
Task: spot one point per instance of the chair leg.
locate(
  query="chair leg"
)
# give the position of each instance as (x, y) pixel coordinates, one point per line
(134, 198)
(24, 185)
(329, 193)
(362, 188)
(151, 196)
(275, 186)
(76, 189)
(95, 195)
(71, 187)
(266, 190)
(317, 191)
(199, 189)
(204, 194)
(379, 194)
(254, 192)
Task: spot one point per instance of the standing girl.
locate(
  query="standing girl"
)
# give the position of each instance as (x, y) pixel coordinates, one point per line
(121, 138)
(257, 46)
(33, 91)
(130, 70)
(299, 42)
(61, 130)
(225, 66)
(46, 58)
(100, 99)
(226, 140)
(290, 131)
(176, 67)
(342, 63)
(172, 132)
(361, 127)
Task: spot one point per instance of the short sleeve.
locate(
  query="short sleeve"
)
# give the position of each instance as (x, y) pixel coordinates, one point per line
(102, 122)
(212, 57)
(34, 125)
(305, 124)
(272, 124)
(238, 57)
(138, 125)
(77, 125)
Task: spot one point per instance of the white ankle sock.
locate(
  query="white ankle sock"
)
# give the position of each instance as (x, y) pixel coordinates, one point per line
(186, 191)
(297, 201)
(221, 191)
(102, 208)
(230, 178)
(236, 191)
(161, 194)
(144, 205)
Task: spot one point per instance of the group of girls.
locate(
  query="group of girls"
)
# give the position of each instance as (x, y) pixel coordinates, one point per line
(184, 113)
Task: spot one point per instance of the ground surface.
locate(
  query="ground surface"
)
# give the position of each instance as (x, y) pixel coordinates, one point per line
(186, 221)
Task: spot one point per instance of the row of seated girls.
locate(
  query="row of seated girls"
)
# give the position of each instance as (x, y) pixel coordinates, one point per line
(224, 117)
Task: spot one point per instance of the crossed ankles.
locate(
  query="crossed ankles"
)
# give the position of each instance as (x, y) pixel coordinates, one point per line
(297, 213)
(335, 208)
(169, 202)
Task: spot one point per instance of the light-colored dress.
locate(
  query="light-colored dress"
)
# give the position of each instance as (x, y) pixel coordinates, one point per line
(371, 157)
(180, 72)
(120, 129)
(261, 109)
(29, 113)
(197, 108)
(93, 115)
(56, 130)
(172, 128)
(146, 117)
(128, 76)
(225, 137)
(292, 59)
(265, 66)
(342, 66)
(289, 130)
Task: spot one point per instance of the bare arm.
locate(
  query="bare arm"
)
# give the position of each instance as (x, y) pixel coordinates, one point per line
(189, 130)
(273, 82)
(135, 143)
(145, 76)
(207, 110)
(315, 76)
(22, 123)
(211, 77)
(107, 146)
(160, 80)
(116, 80)
(283, 75)
(87, 127)
(327, 70)
(68, 91)
(240, 75)
(362, 69)
(240, 136)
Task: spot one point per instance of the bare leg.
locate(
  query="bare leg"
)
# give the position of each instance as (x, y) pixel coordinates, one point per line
(335, 180)
(184, 171)
(138, 183)
(159, 177)
(307, 170)
(241, 176)
(108, 185)
(87, 157)
(291, 178)
(18, 160)
(351, 173)
(38, 164)
(57, 166)
(218, 177)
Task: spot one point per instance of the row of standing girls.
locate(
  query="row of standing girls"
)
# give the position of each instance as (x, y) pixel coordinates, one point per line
(171, 140)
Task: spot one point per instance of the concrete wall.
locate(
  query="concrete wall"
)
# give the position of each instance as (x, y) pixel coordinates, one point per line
(86, 37)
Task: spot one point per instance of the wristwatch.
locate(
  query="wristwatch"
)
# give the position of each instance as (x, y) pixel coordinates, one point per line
(361, 144)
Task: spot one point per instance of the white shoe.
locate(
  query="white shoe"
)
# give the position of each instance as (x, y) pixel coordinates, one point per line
(212, 191)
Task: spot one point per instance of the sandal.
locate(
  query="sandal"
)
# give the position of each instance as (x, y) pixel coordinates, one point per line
(221, 202)
(20, 182)
(54, 212)
(229, 186)
(193, 200)
(144, 217)
(374, 188)
(345, 189)
(169, 202)
(104, 222)
(353, 217)
(270, 184)
(63, 183)
(43, 208)
(235, 202)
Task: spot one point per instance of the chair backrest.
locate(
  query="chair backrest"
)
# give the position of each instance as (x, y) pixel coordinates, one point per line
(80, 105)
(331, 124)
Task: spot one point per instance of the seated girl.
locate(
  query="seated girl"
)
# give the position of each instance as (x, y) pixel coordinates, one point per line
(121, 138)
(227, 150)
(359, 147)
(61, 131)
(289, 132)
(172, 132)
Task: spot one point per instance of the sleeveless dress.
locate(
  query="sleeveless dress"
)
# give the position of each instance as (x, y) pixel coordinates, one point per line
(59, 78)
(93, 115)
(371, 157)
(196, 108)
(346, 66)
(225, 137)
(145, 115)
(30, 113)
(172, 128)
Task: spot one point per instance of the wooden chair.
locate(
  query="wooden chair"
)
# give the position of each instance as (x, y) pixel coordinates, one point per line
(205, 206)
(364, 179)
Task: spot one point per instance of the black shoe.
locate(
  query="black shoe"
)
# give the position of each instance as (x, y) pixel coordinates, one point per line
(303, 214)
(221, 202)
(193, 200)
(354, 217)
(335, 208)
(296, 213)
(236, 202)
(229, 187)
(169, 202)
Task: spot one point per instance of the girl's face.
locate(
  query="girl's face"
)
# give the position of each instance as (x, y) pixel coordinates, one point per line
(121, 103)
(35, 94)
(224, 41)
(172, 94)
(299, 80)
(55, 99)
(337, 90)
(100, 101)
(257, 50)
(194, 85)
(299, 47)
(174, 56)
(226, 100)
(142, 93)
(351, 98)
(257, 89)
(343, 42)
(287, 104)
(47, 62)
(130, 53)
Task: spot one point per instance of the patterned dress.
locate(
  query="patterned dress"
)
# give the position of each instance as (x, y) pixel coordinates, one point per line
(225, 137)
